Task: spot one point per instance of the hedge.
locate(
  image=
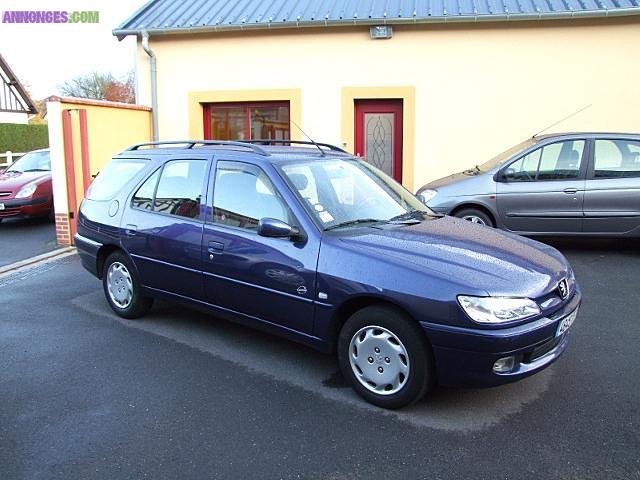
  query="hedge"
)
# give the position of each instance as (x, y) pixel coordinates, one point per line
(23, 138)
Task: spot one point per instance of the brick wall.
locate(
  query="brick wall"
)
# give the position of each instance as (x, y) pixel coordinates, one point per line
(63, 231)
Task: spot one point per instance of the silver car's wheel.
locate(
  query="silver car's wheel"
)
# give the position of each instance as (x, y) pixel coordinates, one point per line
(474, 219)
(476, 216)
(379, 360)
(120, 285)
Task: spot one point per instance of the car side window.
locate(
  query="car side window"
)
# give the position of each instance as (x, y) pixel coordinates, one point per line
(243, 194)
(526, 168)
(616, 159)
(556, 161)
(143, 198)
(180, 188)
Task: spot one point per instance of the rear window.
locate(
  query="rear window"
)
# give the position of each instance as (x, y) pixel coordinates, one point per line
(113, 177)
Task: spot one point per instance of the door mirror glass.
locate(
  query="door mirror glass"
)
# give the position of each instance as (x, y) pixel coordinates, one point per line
(272, 227)
(508, 174)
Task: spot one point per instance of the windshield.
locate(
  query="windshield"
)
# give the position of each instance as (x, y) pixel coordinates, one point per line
(500, 159)
(32, 162)
(344, 192)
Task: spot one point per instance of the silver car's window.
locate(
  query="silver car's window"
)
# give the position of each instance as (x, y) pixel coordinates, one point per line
(616, 159)
(555, 161)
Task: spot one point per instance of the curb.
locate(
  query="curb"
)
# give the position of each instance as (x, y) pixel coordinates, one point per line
(45, 257)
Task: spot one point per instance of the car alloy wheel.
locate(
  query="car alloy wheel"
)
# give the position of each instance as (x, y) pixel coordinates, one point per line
(379, 360)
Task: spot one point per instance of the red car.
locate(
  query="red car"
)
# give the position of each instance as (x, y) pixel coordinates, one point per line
(25, 187)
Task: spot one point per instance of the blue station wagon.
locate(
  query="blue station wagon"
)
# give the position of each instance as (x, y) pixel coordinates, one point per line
(309, 242)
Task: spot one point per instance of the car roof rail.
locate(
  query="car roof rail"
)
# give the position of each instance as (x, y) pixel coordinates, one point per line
(297, 142)
(192, 143)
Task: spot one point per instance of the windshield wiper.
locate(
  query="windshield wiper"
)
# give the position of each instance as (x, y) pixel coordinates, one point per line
(36, 170)
(410, 215)
(353, 222)
(473, 171)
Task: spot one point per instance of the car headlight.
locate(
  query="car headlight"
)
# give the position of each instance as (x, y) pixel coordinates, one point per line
(427, 195)
(27, 190)
(498, 309)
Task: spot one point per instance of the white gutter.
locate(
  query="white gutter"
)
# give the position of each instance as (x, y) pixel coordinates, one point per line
(618, 12)
(154, 82)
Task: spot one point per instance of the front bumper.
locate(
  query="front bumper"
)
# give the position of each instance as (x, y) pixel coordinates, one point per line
(28, 207)
(465, 356)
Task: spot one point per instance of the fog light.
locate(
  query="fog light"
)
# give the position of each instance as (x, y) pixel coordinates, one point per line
(504, 365)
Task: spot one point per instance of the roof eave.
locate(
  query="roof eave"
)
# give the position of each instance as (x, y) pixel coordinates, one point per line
(121, 32)
(15, 82)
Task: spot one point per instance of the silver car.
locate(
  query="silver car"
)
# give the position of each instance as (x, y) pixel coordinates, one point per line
(560, 184)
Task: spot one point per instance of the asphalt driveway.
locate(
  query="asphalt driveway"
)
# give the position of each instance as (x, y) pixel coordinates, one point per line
(84, 394)
(22, 239)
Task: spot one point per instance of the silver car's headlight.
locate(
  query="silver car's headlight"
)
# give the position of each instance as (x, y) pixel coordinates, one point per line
(498, 309)
(27, 190)
(427, 195)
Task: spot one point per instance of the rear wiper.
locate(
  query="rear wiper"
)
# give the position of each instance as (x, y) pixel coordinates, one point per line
(353, 222)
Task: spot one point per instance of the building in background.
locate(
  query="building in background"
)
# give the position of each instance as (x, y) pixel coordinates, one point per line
(421, 89)
(15, 103)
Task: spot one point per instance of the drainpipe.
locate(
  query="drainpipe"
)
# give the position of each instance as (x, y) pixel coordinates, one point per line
(154, 83)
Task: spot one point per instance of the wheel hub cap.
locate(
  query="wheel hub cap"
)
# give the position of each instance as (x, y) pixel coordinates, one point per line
(379, 360)
(119, 285)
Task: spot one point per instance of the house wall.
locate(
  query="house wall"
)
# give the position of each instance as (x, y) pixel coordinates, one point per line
(470, 90)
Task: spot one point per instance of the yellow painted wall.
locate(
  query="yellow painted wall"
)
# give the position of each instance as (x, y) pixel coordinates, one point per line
(110, 130)
(478, 88)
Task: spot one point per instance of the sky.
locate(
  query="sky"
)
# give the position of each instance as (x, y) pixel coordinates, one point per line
(44, 55)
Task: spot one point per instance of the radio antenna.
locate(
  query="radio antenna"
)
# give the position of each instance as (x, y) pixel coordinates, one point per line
(310, 139)
(562, 120)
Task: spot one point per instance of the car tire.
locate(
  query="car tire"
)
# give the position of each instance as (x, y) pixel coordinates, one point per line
(122, 287)
(386, 357)
(475, 215)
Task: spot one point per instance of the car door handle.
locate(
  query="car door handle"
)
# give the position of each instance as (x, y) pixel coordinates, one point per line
(130, 230)
(570, 191)
(215, 248)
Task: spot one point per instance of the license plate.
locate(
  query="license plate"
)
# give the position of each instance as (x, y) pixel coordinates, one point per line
(566, 322)
(1, 206)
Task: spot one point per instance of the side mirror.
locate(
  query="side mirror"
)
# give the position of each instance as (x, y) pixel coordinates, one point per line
(270, 227)
(505, 175)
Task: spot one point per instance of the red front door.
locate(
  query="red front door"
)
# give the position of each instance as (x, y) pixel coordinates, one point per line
(379, 134)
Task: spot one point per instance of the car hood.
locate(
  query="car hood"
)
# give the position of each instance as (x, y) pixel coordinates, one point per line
(441, 182)
(13, 181)
(473, 256)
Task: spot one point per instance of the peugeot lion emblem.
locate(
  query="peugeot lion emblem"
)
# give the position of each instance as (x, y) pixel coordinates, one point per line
(563, 288)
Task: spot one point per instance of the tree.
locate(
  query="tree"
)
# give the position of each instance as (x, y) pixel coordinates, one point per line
(101, 86)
